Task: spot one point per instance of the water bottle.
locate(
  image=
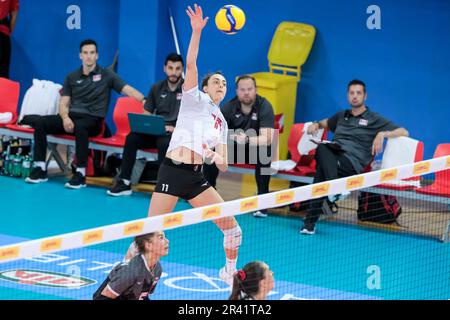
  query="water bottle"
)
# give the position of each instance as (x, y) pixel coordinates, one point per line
(26, 167)
(10, 165)
(17, 166)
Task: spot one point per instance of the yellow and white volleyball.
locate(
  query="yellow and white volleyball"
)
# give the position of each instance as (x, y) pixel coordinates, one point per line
(230, 19)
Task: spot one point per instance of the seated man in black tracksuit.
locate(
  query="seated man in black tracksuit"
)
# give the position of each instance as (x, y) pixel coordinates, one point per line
(163, 99)
(251, 122)
(82, 109)
(358, 135)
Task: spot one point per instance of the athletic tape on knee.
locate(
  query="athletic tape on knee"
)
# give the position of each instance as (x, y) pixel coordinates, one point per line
(232, 238)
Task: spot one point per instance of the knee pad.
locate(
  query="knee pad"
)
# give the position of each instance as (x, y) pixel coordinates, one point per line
(232, 238)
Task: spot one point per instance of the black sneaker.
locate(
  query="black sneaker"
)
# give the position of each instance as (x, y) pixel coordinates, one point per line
(308, 229)
(120, 189)
(37, 175)
(78, 181)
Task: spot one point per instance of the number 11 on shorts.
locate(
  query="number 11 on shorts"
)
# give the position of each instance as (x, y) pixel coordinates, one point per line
(165, 187)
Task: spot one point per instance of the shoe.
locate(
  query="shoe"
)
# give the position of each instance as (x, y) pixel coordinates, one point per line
(78, 181)
(259, 214)
(120, 189)
(37, 175)
(307, 230)
(336, 197)
(226, 276)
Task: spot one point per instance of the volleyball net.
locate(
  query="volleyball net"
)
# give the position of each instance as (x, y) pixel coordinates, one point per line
(387, 239)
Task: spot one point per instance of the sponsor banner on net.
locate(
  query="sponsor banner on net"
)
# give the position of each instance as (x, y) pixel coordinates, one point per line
(421, 168)
(284, 197)
(211, 212)
(51, 244)
(249, 204)
(387, 175)
(90, 237)
(173, 220)
(133, 228)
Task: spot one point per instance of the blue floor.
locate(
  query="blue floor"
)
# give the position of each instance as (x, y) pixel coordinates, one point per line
(339, 262)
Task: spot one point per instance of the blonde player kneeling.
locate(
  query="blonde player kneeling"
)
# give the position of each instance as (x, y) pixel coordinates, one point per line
(137, 278)
(200, 127)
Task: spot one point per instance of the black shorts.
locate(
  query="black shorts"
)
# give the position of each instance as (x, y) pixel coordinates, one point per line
(181, 180)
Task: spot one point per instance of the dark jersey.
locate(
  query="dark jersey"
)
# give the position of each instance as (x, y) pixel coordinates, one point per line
(90, 94)
(261, 115)
(132, 280)
(356, 134)
(164, 102)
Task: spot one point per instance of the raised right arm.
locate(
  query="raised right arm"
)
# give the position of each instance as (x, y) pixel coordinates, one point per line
(197, 24)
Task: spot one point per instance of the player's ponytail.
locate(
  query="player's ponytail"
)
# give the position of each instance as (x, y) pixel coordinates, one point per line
(246, 281)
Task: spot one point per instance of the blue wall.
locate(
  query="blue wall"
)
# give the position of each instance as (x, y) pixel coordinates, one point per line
(44, 48)
(405, 64)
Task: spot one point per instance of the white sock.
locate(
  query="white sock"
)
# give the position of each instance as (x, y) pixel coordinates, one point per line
(231, 265)
(82, 171)
(127, 182)
(40, 164)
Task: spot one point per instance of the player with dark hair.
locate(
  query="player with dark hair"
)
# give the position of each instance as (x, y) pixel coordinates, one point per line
(253, 282)
(136, 279)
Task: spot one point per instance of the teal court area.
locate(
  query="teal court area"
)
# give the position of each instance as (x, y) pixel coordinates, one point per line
(341, 261)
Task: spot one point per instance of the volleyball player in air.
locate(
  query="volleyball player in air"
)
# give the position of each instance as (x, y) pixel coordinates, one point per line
(200, 127)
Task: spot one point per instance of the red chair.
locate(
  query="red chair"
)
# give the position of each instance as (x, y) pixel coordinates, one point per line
(306, 164)
(124, 105)
(441, 185)
(9, 98)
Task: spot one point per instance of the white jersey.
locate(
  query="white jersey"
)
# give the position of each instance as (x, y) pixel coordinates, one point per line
(199, 122)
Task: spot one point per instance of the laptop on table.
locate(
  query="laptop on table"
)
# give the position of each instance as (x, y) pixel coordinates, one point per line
(147, 124)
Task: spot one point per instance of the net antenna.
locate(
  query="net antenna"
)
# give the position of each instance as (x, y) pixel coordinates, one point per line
(174, 33)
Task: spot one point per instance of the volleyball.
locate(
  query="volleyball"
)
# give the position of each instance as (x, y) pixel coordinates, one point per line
(230, 19)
